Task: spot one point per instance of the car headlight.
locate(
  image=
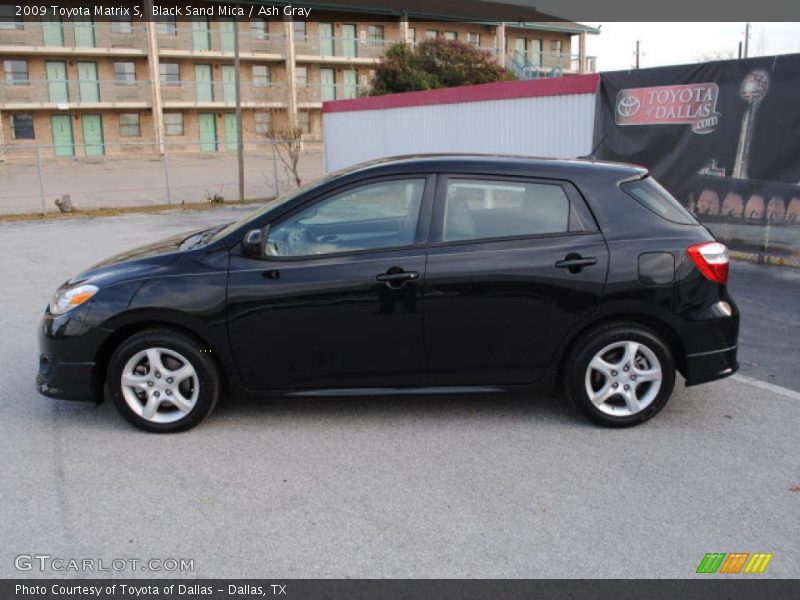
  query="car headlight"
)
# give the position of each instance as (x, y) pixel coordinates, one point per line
(66, 299)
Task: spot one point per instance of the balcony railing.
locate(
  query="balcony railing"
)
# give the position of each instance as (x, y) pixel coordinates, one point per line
(341, 47)
(221, 93)
(545, 64)
(58, 91)
(319, 92)
(199, 39)
(76, 36)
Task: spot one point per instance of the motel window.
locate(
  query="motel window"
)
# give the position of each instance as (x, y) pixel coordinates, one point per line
(173, 123)
(556, 46)
(129, 125)
(167, 25)
(431, 34)
(375, 34)
(120, 24)
(124, 73)
(411, 37)
(304, 121)
(10, 21)
(259, 29)
(16, 71)
(299, 30)
(170, 73)
(261, 75)
(301, 76)
(451, 35)
(263, 123)
(22, 127)
(474, 39)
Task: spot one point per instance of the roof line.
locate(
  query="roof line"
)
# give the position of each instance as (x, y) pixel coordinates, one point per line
(504, 90)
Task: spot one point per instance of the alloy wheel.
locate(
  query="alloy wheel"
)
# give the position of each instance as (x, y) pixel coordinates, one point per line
(160, 385)
(623, 378)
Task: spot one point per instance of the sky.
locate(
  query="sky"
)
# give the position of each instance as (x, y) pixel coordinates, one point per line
(681, 43)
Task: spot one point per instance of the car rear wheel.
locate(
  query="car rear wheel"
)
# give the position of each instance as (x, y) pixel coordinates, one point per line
(620, 375)
(160, 381)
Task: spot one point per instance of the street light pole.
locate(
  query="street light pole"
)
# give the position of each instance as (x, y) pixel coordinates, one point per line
(747, 40)
(238, 85)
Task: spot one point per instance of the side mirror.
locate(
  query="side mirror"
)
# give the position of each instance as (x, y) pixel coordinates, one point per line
(253, 243)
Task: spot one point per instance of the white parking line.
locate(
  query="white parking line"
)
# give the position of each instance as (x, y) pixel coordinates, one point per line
(770, 387)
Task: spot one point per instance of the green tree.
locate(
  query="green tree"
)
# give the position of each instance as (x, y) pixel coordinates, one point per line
(435, 63)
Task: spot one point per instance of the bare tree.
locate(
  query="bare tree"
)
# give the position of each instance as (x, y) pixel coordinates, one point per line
(713, 55)
(289, 146)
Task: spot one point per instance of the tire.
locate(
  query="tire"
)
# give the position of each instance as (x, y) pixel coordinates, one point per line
(176, 395)
(603, 382)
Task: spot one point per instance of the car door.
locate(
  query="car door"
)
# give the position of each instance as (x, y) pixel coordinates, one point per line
(336, 299)
(513, 265)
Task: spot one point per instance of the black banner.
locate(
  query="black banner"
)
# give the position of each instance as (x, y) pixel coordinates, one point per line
(723, 137)
(407, 589)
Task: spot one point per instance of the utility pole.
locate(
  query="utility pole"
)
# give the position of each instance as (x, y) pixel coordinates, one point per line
(740, 50)
(238, 84)
(637, 53)
(746, 40)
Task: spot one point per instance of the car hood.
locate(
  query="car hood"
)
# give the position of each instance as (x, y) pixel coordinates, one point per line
(144, 260)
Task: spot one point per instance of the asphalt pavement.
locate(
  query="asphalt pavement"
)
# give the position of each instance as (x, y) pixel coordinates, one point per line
(495, 486)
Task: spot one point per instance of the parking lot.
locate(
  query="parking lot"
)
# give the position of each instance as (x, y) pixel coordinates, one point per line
(422, 487)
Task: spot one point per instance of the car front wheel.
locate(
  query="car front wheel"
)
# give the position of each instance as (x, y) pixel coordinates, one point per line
(161, 382)
(620, 375)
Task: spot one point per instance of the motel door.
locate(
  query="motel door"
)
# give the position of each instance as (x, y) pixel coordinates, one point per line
(349, 44)
(201, 35)
(203, 83)
(207, 125)
(52, 32)
(327, 46)
(57, 82)
(226, 35)
(328, 84)
(350, 83)
(83, 28)
(93, 135)
(62, 135)
(88, 88)
(229, 83)
(231, 133)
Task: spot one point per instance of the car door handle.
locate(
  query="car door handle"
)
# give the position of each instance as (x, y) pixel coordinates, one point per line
(575, 262)
(395, 277)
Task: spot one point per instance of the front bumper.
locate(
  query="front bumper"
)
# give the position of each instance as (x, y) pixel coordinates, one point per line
(67, 351)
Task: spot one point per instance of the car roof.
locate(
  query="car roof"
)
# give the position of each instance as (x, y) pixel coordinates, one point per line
(508, 164)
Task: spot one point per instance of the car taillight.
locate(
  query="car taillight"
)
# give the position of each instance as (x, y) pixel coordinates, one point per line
(712, 260)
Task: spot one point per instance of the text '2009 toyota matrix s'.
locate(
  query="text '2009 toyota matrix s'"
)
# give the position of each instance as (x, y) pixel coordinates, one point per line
(415, 275)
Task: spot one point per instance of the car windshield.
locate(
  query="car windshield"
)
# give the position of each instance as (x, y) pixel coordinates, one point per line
(230, 228)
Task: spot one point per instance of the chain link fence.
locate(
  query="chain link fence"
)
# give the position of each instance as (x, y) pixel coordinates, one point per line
(117, 175)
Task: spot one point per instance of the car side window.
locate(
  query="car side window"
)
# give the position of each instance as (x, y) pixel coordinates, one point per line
(483, 209)
(369, 217)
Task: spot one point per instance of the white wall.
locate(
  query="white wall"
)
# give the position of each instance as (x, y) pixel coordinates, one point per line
(550, 126)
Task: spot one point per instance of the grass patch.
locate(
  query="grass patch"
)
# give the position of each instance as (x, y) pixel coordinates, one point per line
(123, 210)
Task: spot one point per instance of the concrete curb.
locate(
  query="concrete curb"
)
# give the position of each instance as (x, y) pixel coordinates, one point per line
(768, 259)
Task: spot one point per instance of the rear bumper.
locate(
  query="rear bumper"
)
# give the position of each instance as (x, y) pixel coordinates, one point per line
(708, 366)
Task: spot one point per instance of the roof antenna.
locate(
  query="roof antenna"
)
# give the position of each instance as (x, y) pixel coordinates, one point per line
(591, 155)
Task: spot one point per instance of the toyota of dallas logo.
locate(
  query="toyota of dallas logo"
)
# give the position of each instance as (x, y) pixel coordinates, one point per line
(690, 104)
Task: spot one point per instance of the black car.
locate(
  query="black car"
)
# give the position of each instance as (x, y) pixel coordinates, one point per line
(430, 274)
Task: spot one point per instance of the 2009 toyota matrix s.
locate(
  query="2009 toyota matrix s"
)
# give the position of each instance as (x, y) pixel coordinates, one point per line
(428, 274)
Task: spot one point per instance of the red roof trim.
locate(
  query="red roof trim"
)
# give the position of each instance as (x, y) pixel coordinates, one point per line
(505, 90)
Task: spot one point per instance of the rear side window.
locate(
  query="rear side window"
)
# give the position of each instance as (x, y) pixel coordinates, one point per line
(478, 209)
(649, 193)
